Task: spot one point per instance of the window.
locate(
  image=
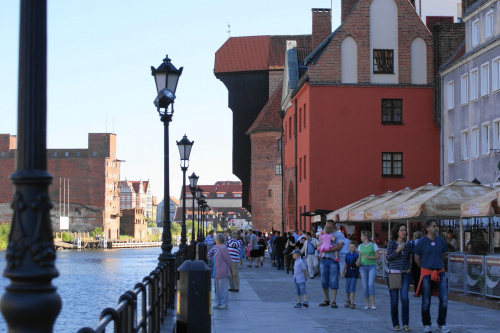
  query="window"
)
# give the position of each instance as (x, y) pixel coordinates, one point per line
(3, 154)
(465, 145)
(304, 168)
(450, 95)
(485, 139)
(300, 169)
(277, 169)
(489, 24)
(475, 32)
(451, 149)
(304, 115)
(474, 143)
(300, 120)
(464, 89)
(220, 195)
(237, 195)
(269, 193)
(383, 61)
(473, 84)
(189, 195)
(55, 154)
(495, 74)
(392, 111)
(279, 144)
(496, 134)
(77, 154)
(392, 164)
(485, 79)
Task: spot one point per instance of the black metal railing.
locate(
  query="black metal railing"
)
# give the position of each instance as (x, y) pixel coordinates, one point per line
(144, 308)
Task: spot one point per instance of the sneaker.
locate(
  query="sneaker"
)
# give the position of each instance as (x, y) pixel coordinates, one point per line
(444, 329)
(397, 328)
(305, 304)
(427, 329)
(298, 305)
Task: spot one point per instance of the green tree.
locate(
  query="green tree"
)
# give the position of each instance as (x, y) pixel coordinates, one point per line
(152, 224)
(97, 231)
(4, 235)
(175, 228)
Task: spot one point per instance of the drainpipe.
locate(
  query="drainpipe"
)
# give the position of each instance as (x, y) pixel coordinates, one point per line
(282, 115)
(296, 173)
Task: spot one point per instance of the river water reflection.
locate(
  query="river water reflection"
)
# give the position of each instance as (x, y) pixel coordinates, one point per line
(90, 281)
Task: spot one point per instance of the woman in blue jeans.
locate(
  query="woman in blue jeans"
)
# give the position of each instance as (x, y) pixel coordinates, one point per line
(399, 259)
(367, 261)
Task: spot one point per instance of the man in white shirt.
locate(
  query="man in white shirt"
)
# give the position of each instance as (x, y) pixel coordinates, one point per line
(309, 251)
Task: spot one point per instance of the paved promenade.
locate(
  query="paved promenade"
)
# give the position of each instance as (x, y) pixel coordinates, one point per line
(267, 296)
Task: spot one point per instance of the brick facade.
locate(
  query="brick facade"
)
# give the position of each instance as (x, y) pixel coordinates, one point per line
(321, 25)
(133, 224)
(328, 68)
(93, 175)
(266, 183)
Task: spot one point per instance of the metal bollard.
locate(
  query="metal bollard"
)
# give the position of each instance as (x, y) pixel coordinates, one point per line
(201, 252)
(193, 297)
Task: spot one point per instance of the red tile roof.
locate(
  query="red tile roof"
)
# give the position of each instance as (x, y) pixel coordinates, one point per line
(269, 118)
(239, 54)
(255, 53)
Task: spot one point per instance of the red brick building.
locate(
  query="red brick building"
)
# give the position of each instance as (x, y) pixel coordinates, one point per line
(134, 224)
(361, 121)
(93, 175)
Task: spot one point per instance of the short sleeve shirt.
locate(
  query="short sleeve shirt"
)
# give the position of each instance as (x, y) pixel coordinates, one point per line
(298, 271)
(431, 252)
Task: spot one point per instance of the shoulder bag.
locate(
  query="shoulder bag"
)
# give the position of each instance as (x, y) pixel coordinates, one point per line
(395, 280)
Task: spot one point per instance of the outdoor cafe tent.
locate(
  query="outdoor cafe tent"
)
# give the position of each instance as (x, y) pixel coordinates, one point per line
(441, 203)
(336, 215)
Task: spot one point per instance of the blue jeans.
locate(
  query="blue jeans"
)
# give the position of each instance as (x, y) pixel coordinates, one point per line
(300, 288)
(405, 302)
(329, 270)
(442, 288)
(368, 273)
(350, 285)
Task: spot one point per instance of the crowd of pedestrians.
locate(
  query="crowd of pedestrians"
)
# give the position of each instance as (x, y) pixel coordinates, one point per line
(330, 255)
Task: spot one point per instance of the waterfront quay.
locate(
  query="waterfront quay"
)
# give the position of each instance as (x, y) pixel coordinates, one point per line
(267, 296)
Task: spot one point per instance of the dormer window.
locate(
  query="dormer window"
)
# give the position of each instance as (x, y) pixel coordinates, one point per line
(383, 61)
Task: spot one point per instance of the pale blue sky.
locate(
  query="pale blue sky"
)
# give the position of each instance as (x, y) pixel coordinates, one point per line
(99, 78)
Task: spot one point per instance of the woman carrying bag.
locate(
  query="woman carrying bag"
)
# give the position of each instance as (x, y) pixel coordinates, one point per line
(399, 277)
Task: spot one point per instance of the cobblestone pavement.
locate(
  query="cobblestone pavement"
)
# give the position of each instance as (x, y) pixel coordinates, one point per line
(266, 298)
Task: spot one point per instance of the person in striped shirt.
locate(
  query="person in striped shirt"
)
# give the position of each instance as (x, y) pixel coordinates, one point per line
(234, 246)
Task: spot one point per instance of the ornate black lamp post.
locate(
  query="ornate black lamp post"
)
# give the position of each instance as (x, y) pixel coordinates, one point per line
(166, 78)
(193, 181)
(184, 150)
(199, 193)
(30, 302)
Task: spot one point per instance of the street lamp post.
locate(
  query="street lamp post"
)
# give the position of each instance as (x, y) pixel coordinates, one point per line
(166, 79)
(193, 181)
(30, 302)
(184, 150)
(199, 193)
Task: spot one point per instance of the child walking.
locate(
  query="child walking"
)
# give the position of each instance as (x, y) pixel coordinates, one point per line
(300, 278)
(351, 272)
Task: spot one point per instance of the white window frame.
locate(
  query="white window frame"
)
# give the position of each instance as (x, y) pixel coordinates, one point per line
(488, 25)
(474, 143)
(450, 95)
(495, 74)
(485, 139)
(485, 79)
(451, 149)
(496, 134)
(464, 89)
(465, 145)
(474, 76)
(475, 33)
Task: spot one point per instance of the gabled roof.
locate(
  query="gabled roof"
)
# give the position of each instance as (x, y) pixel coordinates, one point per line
(254, 53)
(458, 54)
(269, 119)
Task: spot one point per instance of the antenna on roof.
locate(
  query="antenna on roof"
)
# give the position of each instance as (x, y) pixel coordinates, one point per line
(228, 29)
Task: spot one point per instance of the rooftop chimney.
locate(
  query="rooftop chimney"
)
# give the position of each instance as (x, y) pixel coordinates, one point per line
(347, 6)
(321, 25)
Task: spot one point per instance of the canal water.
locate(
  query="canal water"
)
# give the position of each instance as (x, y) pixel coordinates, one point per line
(91, 280)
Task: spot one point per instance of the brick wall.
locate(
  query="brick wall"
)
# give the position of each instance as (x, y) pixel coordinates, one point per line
(321, 25)
(467, 3)
(347, 6)
(133, 224)
(448, 37)
(265, 184)
(275, 78)
(410, 26)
